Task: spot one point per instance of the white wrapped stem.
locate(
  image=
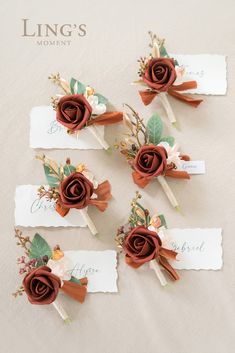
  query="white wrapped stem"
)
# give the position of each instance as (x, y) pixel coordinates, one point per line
(153, 264)
(89, 222)
(161, 179)
(61, 310)
(167, 107)
(99, 138)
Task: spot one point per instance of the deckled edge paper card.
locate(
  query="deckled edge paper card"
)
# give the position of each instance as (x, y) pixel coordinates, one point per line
(197, 248)
(46, 132)
(33, 211)
(210, 72)
(100, 267)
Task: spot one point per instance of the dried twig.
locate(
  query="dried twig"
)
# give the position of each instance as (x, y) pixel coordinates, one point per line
(23, 242)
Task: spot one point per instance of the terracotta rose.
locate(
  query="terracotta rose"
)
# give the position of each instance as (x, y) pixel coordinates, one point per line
(150, 161)
(73, 111)
(41, 286)
(160, 74)
(75, 191)
(142, 245)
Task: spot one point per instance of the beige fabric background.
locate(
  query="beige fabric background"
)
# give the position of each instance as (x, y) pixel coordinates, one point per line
(197, 313)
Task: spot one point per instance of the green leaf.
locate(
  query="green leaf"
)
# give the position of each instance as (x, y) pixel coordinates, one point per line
(69, 169)
(163, 220)
(75, 280)
(176, 62)
(39, 248)
(154, 129)
(72, 83)
(77, 87)
(53, 179)
(169, 139)
(163, 52)
(101, 98)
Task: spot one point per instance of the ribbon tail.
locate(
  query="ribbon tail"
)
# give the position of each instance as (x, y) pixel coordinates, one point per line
(147, 96)
(178, 174)
(61, 210)
(185, 86)
(107, 118)
(75, 290)
(131, 262)
(184, 98)
(139, 180)
(170, 270)
(101, 205)
(103, 191)
(168, 254)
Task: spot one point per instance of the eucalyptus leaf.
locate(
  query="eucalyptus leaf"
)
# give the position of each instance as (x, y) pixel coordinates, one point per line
(72, 83)
(176, 62)
(75, 280)
(39, 248)
(69, 169)
(101, 98)
(169, 139)
(53, 179)
(163, 52)
(77, 87)
(163, 220)
(154, 129)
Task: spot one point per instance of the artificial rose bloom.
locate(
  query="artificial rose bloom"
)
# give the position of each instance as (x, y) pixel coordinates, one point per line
(75, 191)
(142, 245)
(160, 74)
(61, 267)
(173, 155)
(97, 108)
(41, 286)
(150, 161)
(73, 111)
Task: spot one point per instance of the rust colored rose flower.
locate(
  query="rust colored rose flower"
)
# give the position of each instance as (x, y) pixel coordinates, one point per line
(142, 245)
(73, 111)
(150, 161)
(41, 286)
(160, 74)
(75, 191)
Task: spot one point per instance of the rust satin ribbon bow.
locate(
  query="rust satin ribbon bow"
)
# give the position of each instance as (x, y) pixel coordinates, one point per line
(163, 256)
(148, 95)
(103, 193)
(75, 290)
(106, 119)
(170, 172)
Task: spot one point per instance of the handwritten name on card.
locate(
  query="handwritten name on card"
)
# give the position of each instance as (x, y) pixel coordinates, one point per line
(208, 70)
(198, 249)
(46, 132)
(193, 167)
(100, 267)
(31, 211)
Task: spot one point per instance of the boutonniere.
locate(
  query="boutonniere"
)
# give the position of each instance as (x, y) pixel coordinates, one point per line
(82, 107)
(141, 241)
(46, 274)
(151, 155)
(73, 187)
(162, 75)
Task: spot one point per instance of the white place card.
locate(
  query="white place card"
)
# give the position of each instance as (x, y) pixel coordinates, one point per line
(193, 167)
(208, 70)
(198, 248)
(46, 132)
(31, 211)
(100, 267)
